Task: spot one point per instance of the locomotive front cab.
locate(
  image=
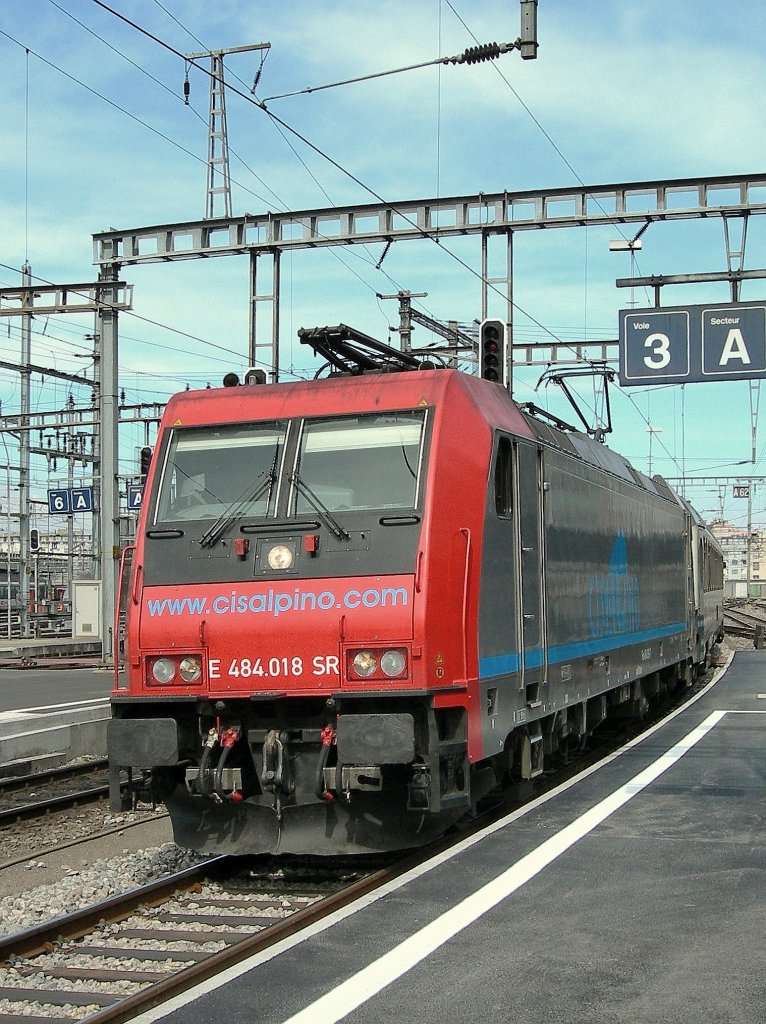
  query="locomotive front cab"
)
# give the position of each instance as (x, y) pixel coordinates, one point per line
(274, 680)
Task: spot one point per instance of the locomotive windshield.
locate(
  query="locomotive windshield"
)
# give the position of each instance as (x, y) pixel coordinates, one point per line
(207, 468)
(361, 462)
(349, 463)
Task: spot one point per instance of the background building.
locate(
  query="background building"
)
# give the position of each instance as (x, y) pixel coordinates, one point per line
(745, 570)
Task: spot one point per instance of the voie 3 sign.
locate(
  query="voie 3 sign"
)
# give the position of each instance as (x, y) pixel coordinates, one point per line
(688, 344)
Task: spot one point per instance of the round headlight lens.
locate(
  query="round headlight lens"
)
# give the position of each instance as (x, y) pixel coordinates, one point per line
(364, 664)
(190, 668)
(280, 557)
(163, 670)
(393, 663)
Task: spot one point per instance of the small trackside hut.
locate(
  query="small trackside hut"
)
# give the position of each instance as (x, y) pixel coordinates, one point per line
(358, 605)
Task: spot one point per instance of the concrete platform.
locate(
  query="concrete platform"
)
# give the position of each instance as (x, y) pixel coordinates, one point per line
(48, 736)
(62, 652)
(634, 895)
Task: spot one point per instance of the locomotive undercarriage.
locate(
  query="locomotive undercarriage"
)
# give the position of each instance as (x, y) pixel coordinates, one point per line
(549, 741)
(272, 776)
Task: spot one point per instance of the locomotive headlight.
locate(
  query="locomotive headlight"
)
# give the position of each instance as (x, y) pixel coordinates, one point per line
(384, 663)
(190, 668)
(393, 663)
(364, 664)
(163, 670)
(280, 557)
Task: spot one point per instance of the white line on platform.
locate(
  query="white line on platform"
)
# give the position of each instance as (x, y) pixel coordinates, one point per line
(66, 705)
(382, 972)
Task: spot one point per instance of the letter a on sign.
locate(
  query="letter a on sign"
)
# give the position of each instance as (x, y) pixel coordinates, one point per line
(735, 348)
(81, 499)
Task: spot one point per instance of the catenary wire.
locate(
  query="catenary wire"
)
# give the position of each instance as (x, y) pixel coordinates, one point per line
(335, 163)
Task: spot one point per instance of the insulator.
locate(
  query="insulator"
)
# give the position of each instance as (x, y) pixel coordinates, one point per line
(477, 54)
(257, 78)
(122, 396)
(187, 87)
(383, 255)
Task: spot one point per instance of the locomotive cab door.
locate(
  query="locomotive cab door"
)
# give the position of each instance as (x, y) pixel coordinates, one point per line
(531, 579)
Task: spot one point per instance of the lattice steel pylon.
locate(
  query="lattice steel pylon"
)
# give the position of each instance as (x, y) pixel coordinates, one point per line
(218, 177)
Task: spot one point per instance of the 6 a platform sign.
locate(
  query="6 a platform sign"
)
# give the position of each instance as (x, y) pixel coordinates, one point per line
(689, 344)
(66, 501)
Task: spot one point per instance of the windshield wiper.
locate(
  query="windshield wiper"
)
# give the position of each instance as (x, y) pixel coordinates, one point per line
(236, 508)
(340, 532)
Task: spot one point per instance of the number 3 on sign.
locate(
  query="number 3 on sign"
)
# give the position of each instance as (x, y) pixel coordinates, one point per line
(660, 357)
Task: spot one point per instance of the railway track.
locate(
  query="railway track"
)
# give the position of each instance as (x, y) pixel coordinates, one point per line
(744, 622)
(46, 776)
(45, 813)
(40, 793)
(112, 961)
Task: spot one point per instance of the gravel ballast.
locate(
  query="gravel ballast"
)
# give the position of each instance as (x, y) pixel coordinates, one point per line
(85, 884)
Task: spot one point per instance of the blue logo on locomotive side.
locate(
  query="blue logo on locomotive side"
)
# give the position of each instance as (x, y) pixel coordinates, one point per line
(614, 595)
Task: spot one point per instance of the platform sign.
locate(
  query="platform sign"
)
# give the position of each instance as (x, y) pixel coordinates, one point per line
(135, 496)
(656, 345)
(689, 344)
(58, 502)
(81, 499)
(65, 501)
(734, 341)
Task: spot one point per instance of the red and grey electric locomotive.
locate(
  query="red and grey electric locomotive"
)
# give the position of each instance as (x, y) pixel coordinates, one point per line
(357, 605)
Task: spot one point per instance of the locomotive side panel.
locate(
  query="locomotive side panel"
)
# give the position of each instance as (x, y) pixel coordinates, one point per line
(612, 566)
(616, 576)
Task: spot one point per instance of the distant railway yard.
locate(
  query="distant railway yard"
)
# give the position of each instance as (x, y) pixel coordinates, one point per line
(745, 619)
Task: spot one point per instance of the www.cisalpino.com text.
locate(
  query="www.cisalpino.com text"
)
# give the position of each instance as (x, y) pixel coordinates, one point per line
(278, 602)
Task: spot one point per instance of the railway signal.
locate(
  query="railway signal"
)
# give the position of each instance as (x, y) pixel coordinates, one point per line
(144, 461)
(492, 351)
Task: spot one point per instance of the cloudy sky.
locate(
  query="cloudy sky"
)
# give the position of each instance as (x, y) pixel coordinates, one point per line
(96, 136)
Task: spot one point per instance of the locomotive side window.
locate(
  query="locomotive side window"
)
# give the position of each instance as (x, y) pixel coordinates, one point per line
(210, 469)
(361, 462)
(504, 478)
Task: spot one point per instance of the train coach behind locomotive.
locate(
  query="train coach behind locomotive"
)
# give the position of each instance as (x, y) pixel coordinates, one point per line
(358, 604)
